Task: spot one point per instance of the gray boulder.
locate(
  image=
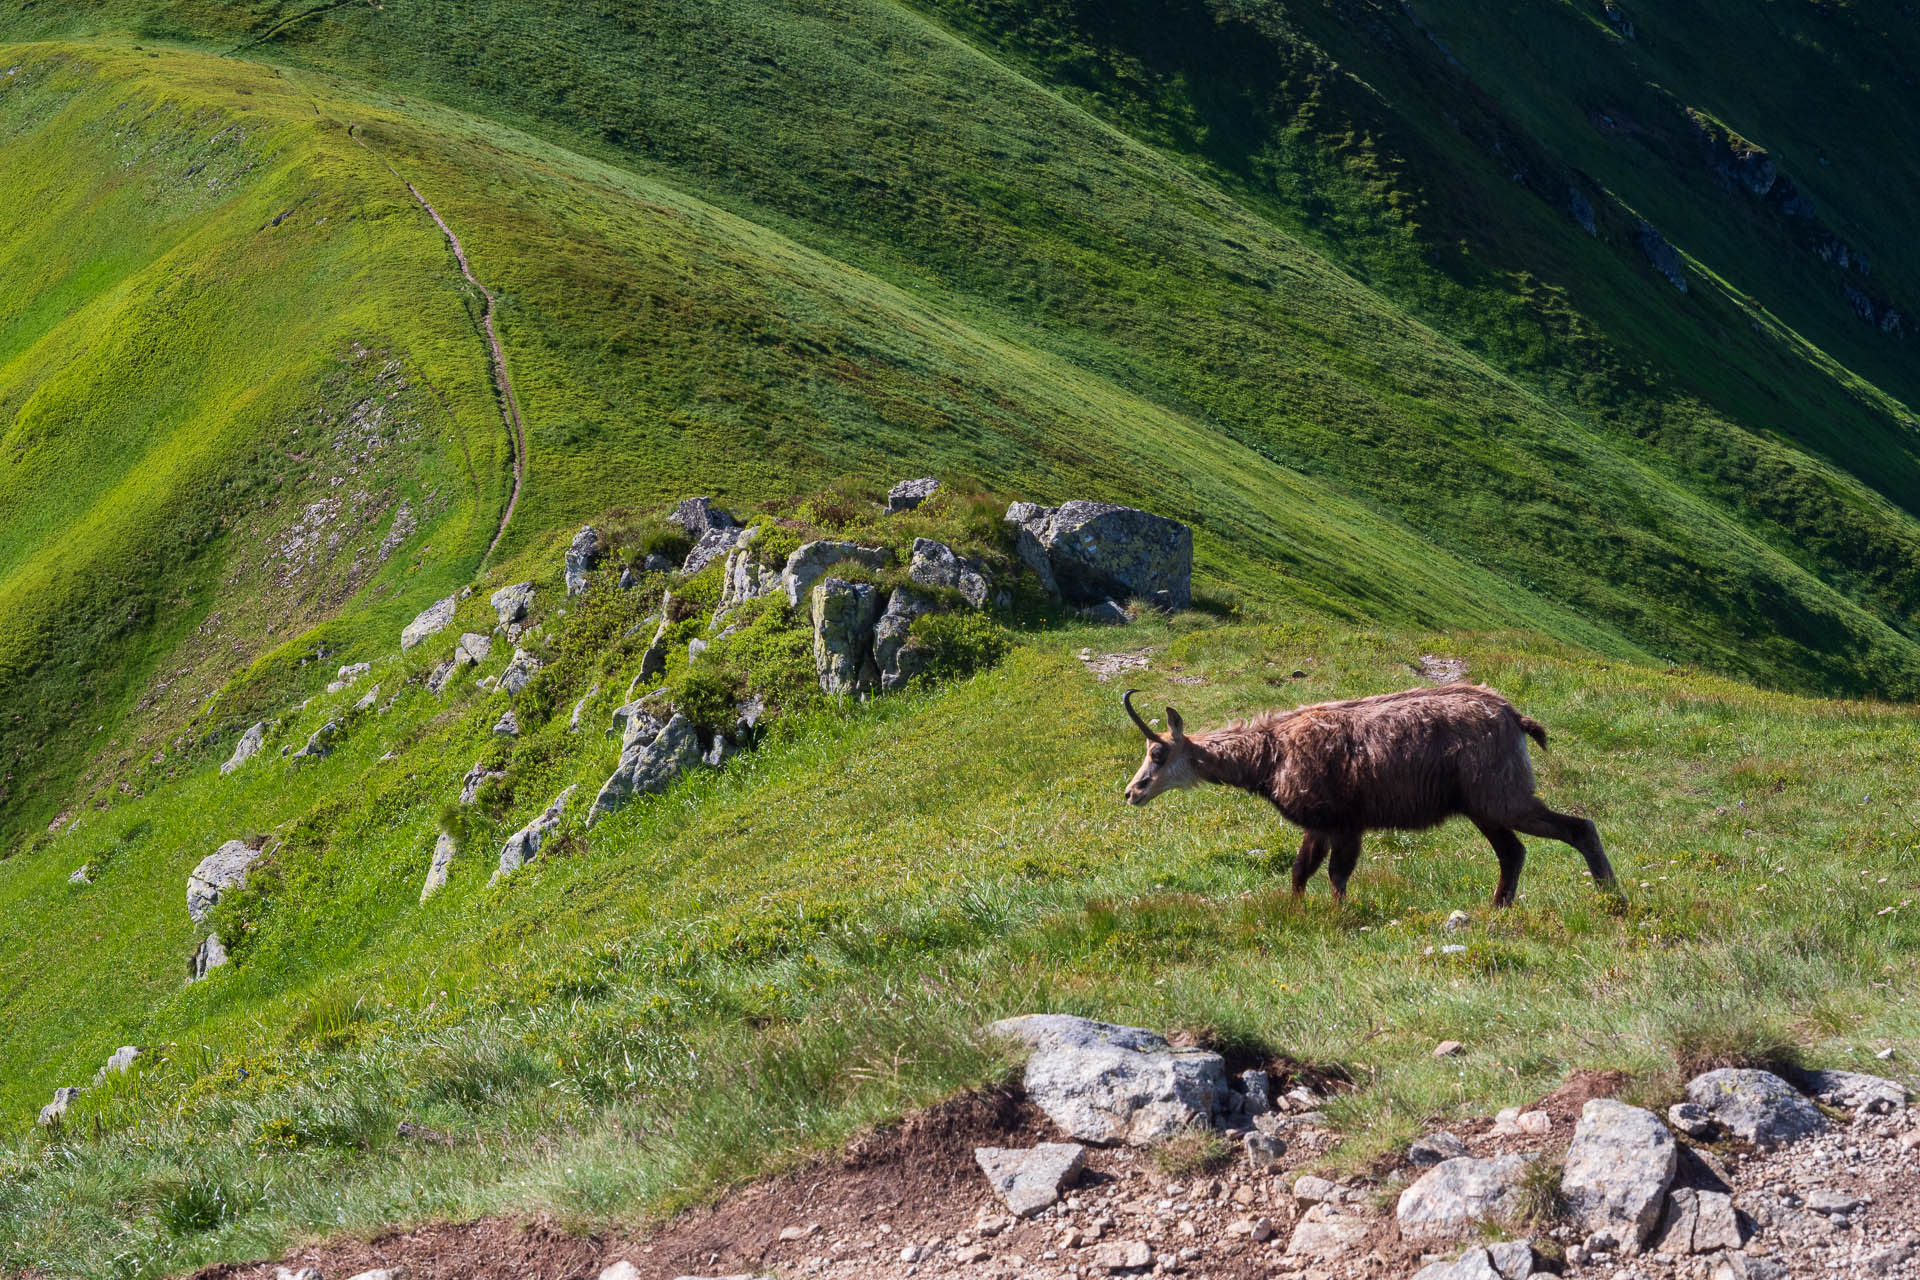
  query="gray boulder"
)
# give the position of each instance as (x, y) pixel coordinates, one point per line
(523, 846)
(367, 699)
(1875, 1095)
(909, 494)
(430, 621)
(206, 957)
(56, 1110)
(712, 545)
(508, 725)
(573, 721)
(844, 614)
(1096, 551)
(1435, 1147)
(1698, 1222)
(118, 1063)
(744, 577)
(1330, 1232)
(1511, 1259)
(1454, 1197)
(642, 716)
(1031, 1180)
(1617, 1172)
(1685, 1117)
(1755, 1106)
(472, 649)
(437, 678)
(935, 564)
(245, 749)
(698, 517)
(1110, 1084)
(583, 555)
(223, 869)
(437, 869)
(83, 874)
(1664, 258)
(895, 658)
(319, 742)
(475, 778)
(520, 672)
(650, 759)
(806, 565)
(511, 603)
(1474, 1264)
(654, 661)
(1026, 517)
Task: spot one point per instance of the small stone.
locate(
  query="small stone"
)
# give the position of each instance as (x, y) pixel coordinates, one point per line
(1536, 1123)
(1123, 1255)
(1828, 1201)
(972, 1253)
(1448, 1049)
(1457, 921)
(621, 1270)
(1264, 1151)
(1031, 1180)
(789, 1234)
(1435, 1147)
(508, 725)
(119, 1063)
(1690, 1119)
(1313, 1190)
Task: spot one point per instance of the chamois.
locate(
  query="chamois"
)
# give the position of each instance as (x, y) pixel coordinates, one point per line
(1401, 761)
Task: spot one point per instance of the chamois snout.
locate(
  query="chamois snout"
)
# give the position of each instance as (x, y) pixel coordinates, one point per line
(1169, 761)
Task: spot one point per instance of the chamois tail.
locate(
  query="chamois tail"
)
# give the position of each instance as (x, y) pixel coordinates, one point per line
(1534, 729)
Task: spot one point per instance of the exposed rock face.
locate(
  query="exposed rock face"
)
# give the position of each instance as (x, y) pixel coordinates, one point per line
(1663, 256)
(642, 716)
(206, 957)
(1618, 1169)
(1474, 1264)
(805, 566)
(1109, 1084)
(844, 614)
(472, 650)
(1698, 1222)
(56, 1110)
(698, 517)
(654, 660)
(1026, 517)
(1097, 551)
(430, 621)
(508, 725)
(935, 564)
(1755, 1106)
(523, 846)
(477, 777)
(437, 869)
(651, 757)
(583, 554)
(218, 872)
(437, 678)
(510, 603)
(319, 742)
(896, 659)
(520, 672)
(744, 577)
(367, 699)
(909, 494)
(1452, 1198)
(1874, 1095)
(245, 749)
(119, 1063)
(1030, 1180)
(712, 545)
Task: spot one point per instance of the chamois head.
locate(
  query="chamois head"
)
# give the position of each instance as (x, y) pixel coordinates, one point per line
(1169, 762)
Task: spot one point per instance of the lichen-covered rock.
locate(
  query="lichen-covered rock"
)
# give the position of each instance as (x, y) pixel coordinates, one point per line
(523, 846)
(437, 870)
(895, 658)
(472, 649)
(430, 621)
(245, 749)
(511, 603)
(1110, 1084)
(805, 566)
(221, 870)
(909, 494)
(652, 755)
(713, 544)
(1455, 1196)
(744, 577)
(844, 614)
(1095, 551)
(319, 742)
(1032, 1178)
(698, 517)
(583, 555)
(520, 672)
(1755, 1106)
(206, 957)
(935, 564)
(1617, 1171)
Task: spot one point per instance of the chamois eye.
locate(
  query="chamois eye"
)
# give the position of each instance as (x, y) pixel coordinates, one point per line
(1159, 755)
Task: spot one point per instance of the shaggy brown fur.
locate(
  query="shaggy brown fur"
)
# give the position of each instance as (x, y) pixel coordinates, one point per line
(1403, 761)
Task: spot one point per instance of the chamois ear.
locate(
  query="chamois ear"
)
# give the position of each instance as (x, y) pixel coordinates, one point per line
(1173, 723)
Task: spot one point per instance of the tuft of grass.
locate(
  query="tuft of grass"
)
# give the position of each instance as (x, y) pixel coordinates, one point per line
(1192, 1152)
(1539, 1206)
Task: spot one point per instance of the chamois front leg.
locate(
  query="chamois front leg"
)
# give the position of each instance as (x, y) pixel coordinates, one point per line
(1313, 852)
(1345, 849)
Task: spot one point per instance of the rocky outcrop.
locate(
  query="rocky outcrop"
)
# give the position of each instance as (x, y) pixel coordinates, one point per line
(118, 1063)
(895, 657)
(652, 755)
(523, 846)
(1875, 1095)
(744, 577)
(1031, 1179)
(367, 699)
(1755, 1106)
(472, 649)
(844, 614)
(344, 678)
(206, 957)
(1454, 1197)
(1110, 1084)
(1617, 1171)
(508, 725)
(430, 621)
(245, 749)
(935, 564)
(510, 604)
(806, 565)
(475, 778)
(697, 517)
(319, 742)
(583, 556)
(1096, 551)
(909, 494)
(520, 672)
(56, 1111)
(1663, 257)
(443, 850)
(223, 869)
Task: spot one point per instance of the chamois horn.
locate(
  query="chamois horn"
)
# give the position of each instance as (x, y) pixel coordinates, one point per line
(1126, 700)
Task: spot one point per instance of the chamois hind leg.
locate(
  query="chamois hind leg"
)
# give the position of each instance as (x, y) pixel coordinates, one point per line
(1346, 852)
(1512, 855)
(1313, 852)
(1578, 832)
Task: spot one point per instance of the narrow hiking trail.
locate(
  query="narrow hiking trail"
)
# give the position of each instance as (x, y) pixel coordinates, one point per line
(502, 384)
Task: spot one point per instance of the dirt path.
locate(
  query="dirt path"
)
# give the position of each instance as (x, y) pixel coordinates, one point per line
(502, 383)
